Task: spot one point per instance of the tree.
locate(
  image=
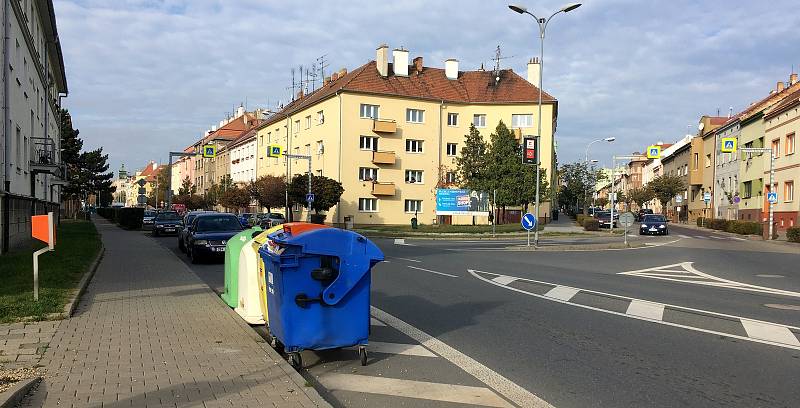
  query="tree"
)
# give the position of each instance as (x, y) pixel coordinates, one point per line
(665, 187)
(187, 187)
(471, 165)
(158, 193)
(215, 192)
(94, 177)
(71, 146)
(504, 169)
(578, 184)
(601, 202)
(236, 198)
(327, 192)
(268, 191)
(641, 195)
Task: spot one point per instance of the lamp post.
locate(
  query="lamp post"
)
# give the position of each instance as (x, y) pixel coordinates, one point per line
(586, 160)
(542, 28)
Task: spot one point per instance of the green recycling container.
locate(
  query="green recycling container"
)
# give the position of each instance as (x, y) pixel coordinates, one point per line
(232, 249)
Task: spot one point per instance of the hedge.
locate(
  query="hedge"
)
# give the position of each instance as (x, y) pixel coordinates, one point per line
(701, 222)
(744, 227)
(126, 217)
(717, 224)
(793, 234)
(580, 218)
(591, 224)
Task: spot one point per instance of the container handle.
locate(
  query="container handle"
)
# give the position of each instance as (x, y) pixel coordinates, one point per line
(350, 273)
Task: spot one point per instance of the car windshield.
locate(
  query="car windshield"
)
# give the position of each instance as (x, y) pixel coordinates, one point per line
(149, 214)
(275, 215)
(218, 223)
(653, 218)
(168, 216)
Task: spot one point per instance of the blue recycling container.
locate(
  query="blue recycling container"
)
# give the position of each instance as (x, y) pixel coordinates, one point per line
(318, 287)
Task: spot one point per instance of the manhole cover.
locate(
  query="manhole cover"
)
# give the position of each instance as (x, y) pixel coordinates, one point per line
(769, 276)
(782, 306)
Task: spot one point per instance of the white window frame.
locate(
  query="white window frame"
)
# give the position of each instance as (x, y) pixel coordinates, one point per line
(479, 123)
(450, 177)
(452, 119)
(788, 192)
(416, 208)
(297, 126)
(308, 121)
(516, 123)
(415, 173)
(419, 144)
(415, 115)
(367, 174)
(373, 143)
(320, 117)
(368, 111)
(361, 207)
(455, 149)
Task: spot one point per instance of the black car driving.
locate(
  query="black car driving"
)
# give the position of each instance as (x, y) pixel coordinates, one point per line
(209, 233)
(166, 223)
(654, 224)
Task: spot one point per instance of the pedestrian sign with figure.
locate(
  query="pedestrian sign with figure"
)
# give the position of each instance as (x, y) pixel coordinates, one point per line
(209, 151)
(310, 198)
(728, 145)
(274, 151)
(772, 197)
(654, 152)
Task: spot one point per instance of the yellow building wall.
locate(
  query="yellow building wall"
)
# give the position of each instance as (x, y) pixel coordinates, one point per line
(787, 166)
(751, 167)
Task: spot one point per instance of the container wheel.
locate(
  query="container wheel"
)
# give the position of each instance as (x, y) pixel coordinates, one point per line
(273, 342)
(295, 360)
(362, 354)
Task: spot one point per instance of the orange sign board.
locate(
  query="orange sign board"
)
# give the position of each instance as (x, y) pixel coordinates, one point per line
(42, 229)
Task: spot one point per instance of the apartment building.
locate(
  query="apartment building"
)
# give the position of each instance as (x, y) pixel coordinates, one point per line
(242, 157)
(726, 172)
(782, 125)
(391, 131)
(701, 168)
(676, 163)
(33, 83)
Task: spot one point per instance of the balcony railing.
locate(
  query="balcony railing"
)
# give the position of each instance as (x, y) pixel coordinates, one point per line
(383, 157)
(384, 125)
(383, 189)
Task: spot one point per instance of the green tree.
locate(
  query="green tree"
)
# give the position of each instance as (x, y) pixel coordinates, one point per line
(71, 146)
(504, 169)
(665, 187)
(578, 181)
(471, 165)
(327, 192)
(601, 202)
(158, 193)
(269, 191)
(236, 198)
(641, 195)
(187, 187)
(94, 177)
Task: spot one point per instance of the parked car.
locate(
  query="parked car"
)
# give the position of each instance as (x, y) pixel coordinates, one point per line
(604, 217)
(641, 213)
(244, 219)
(268, 220)
(208, 235)
(149, 216)
(166, 222)
(654, 224)
(187, 221)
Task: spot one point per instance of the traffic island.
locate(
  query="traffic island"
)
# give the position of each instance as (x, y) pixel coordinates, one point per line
(582, 247)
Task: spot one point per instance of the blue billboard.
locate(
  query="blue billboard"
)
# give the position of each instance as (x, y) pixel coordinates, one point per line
(461, 202)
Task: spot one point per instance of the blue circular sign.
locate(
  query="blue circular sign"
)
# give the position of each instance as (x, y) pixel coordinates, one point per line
(528, 221)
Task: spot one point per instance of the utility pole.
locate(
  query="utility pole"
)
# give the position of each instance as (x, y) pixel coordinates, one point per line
(302, 157)
(771, 179)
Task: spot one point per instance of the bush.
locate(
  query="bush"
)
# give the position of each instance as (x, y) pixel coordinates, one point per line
(701, 222)
(591, 224)
(744, 227)
(129, 217)
(579, 218)
(793, 234)
(717, 224)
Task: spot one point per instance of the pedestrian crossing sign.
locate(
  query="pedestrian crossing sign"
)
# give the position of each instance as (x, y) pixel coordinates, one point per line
(728, 145)
(274, 151)
(654, 152)
(210, 151)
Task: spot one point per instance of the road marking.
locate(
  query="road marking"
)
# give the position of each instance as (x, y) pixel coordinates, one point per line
(738, 239)
(406, 259)
(413, 389)
(401, 241)
(685, 272)
(495, 381)
(375, 322)
(564, 293)
(649, 310)
(683, 236)
(398, 348)
(428, 270)
(770, 332)
(716, 237)
(788, 343)
(700, 237)
(504, 280)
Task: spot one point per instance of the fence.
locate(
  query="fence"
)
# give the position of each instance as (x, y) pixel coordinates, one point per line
(15, 218)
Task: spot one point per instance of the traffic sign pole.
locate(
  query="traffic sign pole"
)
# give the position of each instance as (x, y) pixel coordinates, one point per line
(771, 179)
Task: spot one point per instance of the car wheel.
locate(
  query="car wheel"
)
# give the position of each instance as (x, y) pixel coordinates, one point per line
(181, 246)
(193, 257)
(154, 233)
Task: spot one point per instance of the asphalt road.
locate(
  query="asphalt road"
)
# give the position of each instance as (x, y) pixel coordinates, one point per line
(696, 320)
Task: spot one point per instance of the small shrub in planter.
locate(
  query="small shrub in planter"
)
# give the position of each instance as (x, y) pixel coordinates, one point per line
(744, 227)
(793, 234)
(591, 224)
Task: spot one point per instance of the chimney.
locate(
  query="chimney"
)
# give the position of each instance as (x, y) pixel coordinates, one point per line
(239, 111)
(451, 68)
(300, 94)
(334, 76)
(792, 79)
(779, 87)
(418, 65)
(326, 81)
(533, 71)
(400, 62)
(382, 60)
(343, 71)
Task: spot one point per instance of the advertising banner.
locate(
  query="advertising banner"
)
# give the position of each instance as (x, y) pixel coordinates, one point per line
(461, 202)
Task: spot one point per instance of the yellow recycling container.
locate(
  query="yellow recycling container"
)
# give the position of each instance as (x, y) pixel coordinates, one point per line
(252, 287)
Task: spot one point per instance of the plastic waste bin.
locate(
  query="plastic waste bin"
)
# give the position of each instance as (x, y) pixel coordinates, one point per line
(230, 294)
(249, 301)
(318, 288)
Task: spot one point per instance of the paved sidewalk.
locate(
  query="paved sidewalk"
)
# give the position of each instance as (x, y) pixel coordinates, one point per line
(563, 224)
(148, 332)
(23, 344)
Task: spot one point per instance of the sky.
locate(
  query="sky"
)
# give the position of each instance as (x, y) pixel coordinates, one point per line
(147, 77)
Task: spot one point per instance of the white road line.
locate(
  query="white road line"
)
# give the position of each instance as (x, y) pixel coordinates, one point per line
(790, 345)
(504, 280)
(700, 237)
(649, 310)
(716, 237)
(564, 293)
(495, 381)
(401, 241)
(413, 389)
(738, 239)
(683, 236)
(428, 270)
(406, 259)
(375, 322)
(769, 332)
(399, 348)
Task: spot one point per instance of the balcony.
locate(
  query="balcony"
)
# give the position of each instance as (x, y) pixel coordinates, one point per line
(43, 156)
(384, 125)
(383, 189)
(383, 157)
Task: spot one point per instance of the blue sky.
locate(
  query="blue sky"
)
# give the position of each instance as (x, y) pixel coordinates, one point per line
(149, 76)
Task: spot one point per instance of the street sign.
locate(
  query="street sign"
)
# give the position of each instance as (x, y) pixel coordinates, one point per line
(274, 151)
(529, 150)
(141, 199)
(654, 152)
(210, 151)
(736, 199)
(626, 219)
(678, 199)
(142, 190)
(141, 182)
(310, 198)
(528, 221)
(728, 145)
(772, 197)
(707, 197)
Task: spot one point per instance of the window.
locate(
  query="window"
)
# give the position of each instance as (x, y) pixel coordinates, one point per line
(696, 161)
(708, 160)
(415, 115)
(308, 149)
(308, 122)
(413, 206)
(19, 148)
(685, 169)
(748, 189)
(296, 126)
(479, 120)
(790, 144)
(414, 176)
(450, 177)
(320, 147)
(320, 118)
(413, 146)
(452, 148)
(368, 204)
(452, 119)
(369, 111)
(788, 191)
(521, 121)
(776, 148)
(368, 143)
(367, 174)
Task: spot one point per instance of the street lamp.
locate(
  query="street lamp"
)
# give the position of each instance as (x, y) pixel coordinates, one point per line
(542, 27)
(608, 139)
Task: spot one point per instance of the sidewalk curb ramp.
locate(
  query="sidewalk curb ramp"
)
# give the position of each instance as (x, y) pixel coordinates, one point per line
(15, 394)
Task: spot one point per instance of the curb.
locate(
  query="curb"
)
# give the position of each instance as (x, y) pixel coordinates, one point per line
(13, 396)
(586, 247)
(69, 308)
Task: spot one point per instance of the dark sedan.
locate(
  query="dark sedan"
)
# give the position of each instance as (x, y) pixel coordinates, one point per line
(604, 218)
(208, 235)
(149, 218)
(188, 219)
(166, 223)
(654, 224)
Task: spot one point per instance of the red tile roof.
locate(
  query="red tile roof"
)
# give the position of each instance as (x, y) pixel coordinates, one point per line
(149, 169)
(787, 102)
(232, 129)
